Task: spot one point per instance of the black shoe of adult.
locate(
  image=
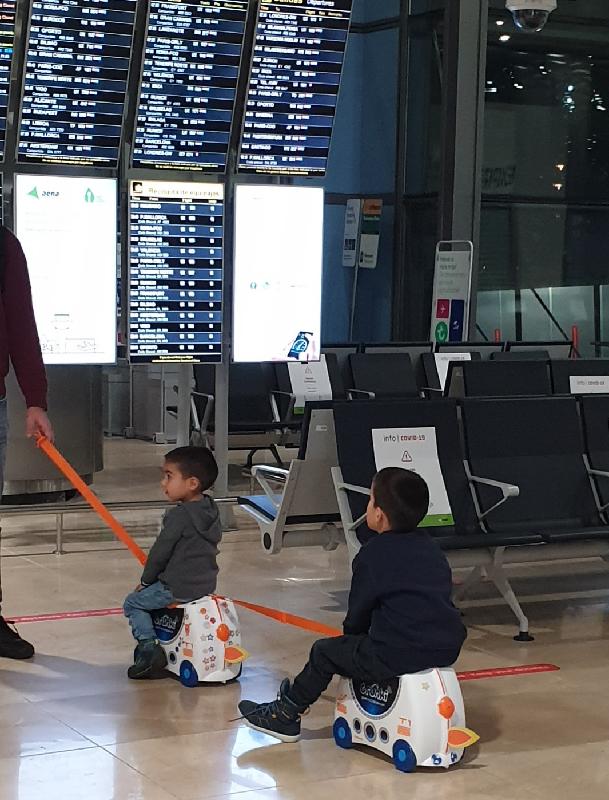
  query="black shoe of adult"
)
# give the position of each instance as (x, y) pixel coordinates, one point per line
(280, 718)
(150, 661)
(11, 644)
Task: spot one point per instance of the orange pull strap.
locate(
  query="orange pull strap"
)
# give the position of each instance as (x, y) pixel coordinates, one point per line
(92, 499)
(290, 619)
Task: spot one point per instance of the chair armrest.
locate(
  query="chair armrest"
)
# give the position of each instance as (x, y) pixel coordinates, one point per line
(599, 473)
(202, 394)
(507, 490)
(350, 487)
(353, 393)
(272, 473)
(201, 425)
(275, 393)
(427, 391)
(265, 475)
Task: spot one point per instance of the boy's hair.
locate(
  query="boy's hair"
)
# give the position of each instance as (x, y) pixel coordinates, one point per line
(402, 495)
(195, 462)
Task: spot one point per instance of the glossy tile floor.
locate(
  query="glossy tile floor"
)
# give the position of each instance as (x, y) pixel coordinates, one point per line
(73, 726)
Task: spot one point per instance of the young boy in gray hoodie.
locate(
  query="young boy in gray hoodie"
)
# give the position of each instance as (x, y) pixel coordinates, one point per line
(182, 564)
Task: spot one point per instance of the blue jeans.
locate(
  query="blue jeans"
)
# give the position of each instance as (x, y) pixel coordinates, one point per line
(138, 605)
(3, 437)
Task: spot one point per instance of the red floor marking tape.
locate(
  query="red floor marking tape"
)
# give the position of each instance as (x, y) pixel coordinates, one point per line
(100, 612)
(473, 675)
(504, 672)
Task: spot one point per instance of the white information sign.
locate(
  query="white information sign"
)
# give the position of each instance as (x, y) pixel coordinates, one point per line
(309, 382)
(451, 292)
(68, 230)
(444, 359)
(278, 272)
(590, 384)
(416, 449)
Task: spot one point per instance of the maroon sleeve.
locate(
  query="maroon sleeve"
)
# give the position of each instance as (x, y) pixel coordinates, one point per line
(23, 343)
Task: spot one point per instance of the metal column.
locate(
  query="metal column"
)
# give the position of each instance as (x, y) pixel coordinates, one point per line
(463, 125)
(184, 390)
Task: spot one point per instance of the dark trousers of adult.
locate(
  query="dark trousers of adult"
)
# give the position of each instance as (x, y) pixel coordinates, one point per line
(3, 437)
(348, 656)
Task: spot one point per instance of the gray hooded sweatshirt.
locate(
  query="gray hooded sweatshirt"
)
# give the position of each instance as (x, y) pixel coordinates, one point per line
(184, 554)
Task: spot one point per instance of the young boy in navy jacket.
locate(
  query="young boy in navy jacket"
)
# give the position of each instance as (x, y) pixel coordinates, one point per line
(400, 618)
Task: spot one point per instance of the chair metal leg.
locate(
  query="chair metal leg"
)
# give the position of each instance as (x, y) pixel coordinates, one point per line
(276, 456)
(472, 579)
(353, 545)
(250, 458)
(497, 576)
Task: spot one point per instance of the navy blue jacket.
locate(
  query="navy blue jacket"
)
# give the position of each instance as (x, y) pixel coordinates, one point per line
(401, 597)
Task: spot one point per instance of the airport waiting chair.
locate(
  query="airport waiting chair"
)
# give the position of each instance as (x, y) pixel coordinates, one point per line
(382, 376)
(538, 444)
(416, 350)
(580, 376)
(498, 379)
(298, 506)
(254, 421)
(555, 349)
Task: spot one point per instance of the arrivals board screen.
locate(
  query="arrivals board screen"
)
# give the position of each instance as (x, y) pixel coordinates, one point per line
(175, 271)
(77, 65)
(7, 39)
(278, 271)
(293, 90)
(68, 230)
(189, 82)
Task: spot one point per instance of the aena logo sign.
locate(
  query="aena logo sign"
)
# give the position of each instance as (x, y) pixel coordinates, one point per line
(44, 193)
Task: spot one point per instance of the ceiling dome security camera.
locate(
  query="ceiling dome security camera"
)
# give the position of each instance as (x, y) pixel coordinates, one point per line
(530, 15)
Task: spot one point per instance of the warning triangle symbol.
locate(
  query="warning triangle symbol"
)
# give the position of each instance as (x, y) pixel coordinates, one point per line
(407, 458)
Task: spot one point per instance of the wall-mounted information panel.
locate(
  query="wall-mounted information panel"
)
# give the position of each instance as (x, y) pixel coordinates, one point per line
(277, 280)
(175, 267)
(77, 64)
(189, 82)
(293, 91)
(67, 227)
(7, 39)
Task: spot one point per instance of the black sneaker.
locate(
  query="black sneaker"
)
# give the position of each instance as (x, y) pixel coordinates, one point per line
(150, 661)
(11, 644)
(280, 719)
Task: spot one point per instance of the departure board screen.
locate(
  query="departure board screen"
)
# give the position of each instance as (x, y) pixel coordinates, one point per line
(189, 82)
(7, 39)
(176, 241)
(77, 64)
(293, 90)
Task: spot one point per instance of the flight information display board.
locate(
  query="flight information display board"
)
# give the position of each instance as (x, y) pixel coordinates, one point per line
(77, 64)
(176, 235)
(7, 40)
(189, 82)
(293, 89)
(68, 230)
